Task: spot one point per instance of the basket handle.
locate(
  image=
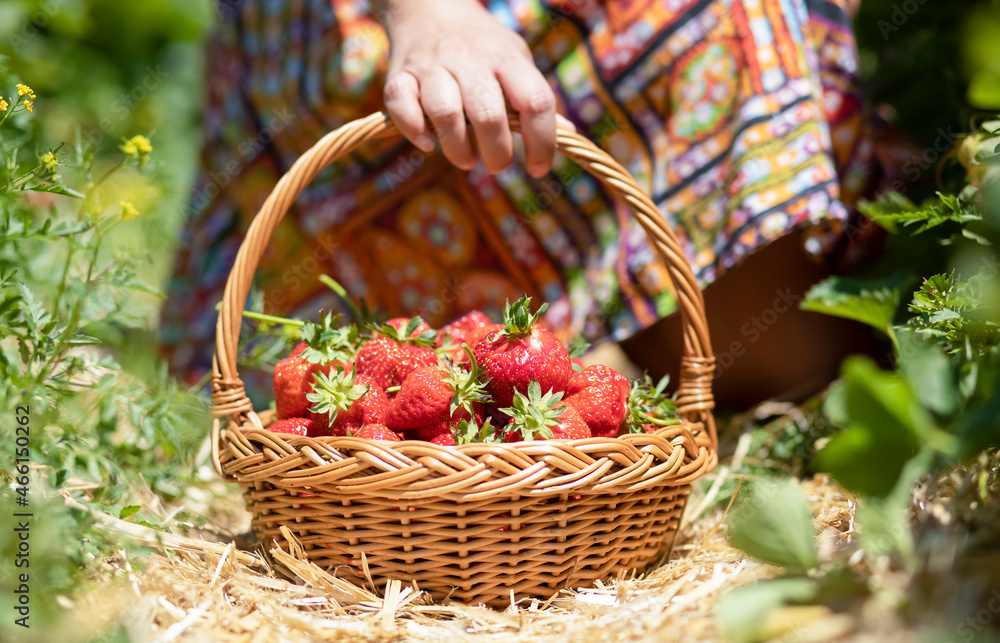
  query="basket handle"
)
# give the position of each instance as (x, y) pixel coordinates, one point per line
(694, 395)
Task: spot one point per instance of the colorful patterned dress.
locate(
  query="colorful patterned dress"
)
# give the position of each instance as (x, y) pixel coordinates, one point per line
(741, 118)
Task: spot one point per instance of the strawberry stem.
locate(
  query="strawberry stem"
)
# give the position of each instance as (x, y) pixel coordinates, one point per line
(268, 318)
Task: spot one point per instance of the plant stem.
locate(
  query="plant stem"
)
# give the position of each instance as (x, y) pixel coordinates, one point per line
(891, 332)
(109, 173)
(65, 273)
(74, 320)
(342, 293)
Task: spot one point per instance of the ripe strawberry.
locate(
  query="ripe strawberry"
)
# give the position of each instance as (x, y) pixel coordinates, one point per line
(292, 377)
(410, 358)
(542, 417)
(603, 409)
(468, 329)
(431, 396)
(345, 399)
(393, 353)
(445, 439)
(597, 375)
(422, 401)
(377, 431)
(600, 395)
(521, 353)
(295, 426)
(324, 347)
(377, 359)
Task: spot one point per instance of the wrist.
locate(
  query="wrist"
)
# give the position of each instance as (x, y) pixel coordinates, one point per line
(388, 12)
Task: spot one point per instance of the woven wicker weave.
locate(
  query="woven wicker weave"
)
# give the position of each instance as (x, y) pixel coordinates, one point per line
(476, 522)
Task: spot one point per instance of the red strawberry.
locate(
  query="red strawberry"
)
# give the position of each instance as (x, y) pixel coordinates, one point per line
(434, 432)
(597, 375)
(603, 409)
(292, 377)
(395, 352)
(376, 431)
(541, 417)
(431, 396)
(377, 360)
(346, 399)
(445, 439)
(468, 329)
(295, 426)
(411, 358)
(324, 347)
(423, 400)
(521, 353)
(600, 395)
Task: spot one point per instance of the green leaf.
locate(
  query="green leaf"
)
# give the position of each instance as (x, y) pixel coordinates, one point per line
(128, 511)
(931, 375)
(884, 523)
(873, 302)
(772, 522)
(55, 189)
(979, 429)
(742, 610)
(33, 312)
(893, 208)
(835, 404)
(886, 426)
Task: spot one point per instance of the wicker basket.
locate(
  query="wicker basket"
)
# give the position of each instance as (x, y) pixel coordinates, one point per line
(477, 522)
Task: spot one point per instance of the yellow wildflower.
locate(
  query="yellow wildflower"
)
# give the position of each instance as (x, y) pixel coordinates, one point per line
(3, 105)
(24, 90)
(139, 148)
(28, 105)
(49, 162)
(129, 211)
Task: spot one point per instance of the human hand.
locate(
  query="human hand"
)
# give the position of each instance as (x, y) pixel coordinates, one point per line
(451, 60)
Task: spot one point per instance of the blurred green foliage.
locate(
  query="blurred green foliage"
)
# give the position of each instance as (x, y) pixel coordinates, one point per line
(111, 69)
(934, 63)
(78, 345)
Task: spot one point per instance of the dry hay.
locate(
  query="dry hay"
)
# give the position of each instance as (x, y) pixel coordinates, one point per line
(195, 590)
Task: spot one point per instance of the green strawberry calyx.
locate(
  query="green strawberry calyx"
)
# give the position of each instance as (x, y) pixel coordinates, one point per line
(326, 342)
(535, 414)
(467, 385)
(469, 431)
(331, 394)
(648, 404)
(518, 320)
(405, 335)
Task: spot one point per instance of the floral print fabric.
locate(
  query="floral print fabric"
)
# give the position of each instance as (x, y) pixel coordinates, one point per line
(741, 118)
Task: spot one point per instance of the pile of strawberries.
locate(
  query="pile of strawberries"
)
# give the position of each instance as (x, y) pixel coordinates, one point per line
(471, 381)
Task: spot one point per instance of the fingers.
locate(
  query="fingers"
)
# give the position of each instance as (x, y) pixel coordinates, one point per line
(531, 96)
(486, 110)
(441, 99)
(565, 123)
(402, 100)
